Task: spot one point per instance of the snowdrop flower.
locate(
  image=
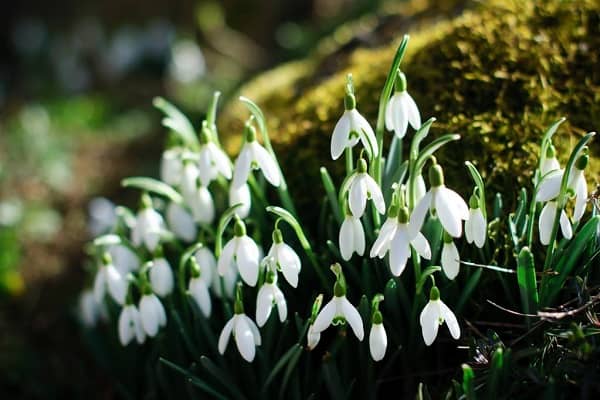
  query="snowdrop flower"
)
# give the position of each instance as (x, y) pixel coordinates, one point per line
(180, 222)
(171, 166)
(202, 205)
(378, 336)
(241, 196)
(189, 181)
(244, 331)
(312, 337)
(103, 216)
(546, 222)
(435, 314)
(285, 258)
(396, 238)
(550, 162)
(240, 253)
(198, 287)
(212, 161)
(447, 204)
(254, 156)
(161, 277)
(362, 187)
(148, 225)
(351, 128)
(450, 257)
(476, 225)
(108, 277)
(401, 109)
(420, 189)
(549, 188)
(339, 309)
(90, 311)
(130, 325)
(269, 295)
(125, 259)
(352, 237)
(152, 314)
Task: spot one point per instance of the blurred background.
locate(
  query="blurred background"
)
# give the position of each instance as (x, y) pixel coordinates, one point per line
(77, 80)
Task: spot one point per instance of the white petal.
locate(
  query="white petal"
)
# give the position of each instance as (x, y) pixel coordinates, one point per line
(353, 318)
(429, 320)
(389, 112)
(549, 164)
(418, 215)
(479, 227)
(281, 304)
(207, 263)
(375, 193)
(240, 195)
(161, 277)
(242, 167)
(469, 227)
(546, 222)
(399, 252)
(450, 260)
(264, 304)
(226, 258)
(123, 258)
(189, 180)
(203, 206)
(171, 167)
(181, 222)
(581, 198)
(414, 117)
(363, 128)
(206, 170)
(244, 339)
(222, 163)
(267, 164)
(246, 257)
(358, 236)
(100, 284)
(400, 117)
(346, 238)
(339, 139)
(421, 245)
(199, 292)
(149, 315)
(357, 198)
(289, 262)
(225, 334)
(450, 320)
(420, 188)
(117, 284)
(386, 233)
(312, 338)
(447, 213)
(565, 225)
(253, 329)
(549, 188)
(377, 342)
(325, 317)
(126, 329)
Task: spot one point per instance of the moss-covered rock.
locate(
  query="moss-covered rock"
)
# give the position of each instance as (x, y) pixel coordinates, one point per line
(498, 74)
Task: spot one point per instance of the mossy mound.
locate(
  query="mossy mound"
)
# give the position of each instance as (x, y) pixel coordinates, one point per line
(498, 75)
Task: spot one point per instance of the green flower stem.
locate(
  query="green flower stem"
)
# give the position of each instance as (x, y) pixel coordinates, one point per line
(383, 100)
(284, 195)
(480, 185)
(223, 221)
(349, 161)
(189, 253)
(562, 199)
(211, 116)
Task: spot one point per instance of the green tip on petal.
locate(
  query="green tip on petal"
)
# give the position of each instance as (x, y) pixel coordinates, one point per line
(434, 293)
(436, 175)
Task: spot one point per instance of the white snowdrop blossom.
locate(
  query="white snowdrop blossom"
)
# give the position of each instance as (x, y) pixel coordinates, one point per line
(189, 181)
(546, 222)
(148, 226)
(108, 277)
(198, 285)
(550, 163)
(476, 225)
(171, 166)
(130, 325)
(352, 237)
(420, 189)
(212, 160)
(361, 187)
(90, 311)
(125, 259)
(202, 205)
(449, 207)
(351, 128)
(312, 337)
(254, 156)
(396, 238)
(268, 295)
(241, 254)
(152, 314)
(377, 341)
(244, 331)
(241, 196)
(181, 222)
(103, 216)
(450, 258)
(161, 277)
(339, 309)
(285, 258)
(435, 314)
(401, 109)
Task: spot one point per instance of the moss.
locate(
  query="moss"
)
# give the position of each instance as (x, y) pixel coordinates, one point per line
(498, 75)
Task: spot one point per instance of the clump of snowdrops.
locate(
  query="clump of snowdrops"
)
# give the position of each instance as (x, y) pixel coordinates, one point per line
(214, 286)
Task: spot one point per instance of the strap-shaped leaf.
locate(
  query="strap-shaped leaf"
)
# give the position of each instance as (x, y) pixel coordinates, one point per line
(153, 186)
(176, 121)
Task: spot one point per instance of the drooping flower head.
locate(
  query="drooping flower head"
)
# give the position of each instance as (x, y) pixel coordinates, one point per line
(270, 295)
(109, 278)
(148, 225)
(254, 156)
(240, 253)
(200, 281)
(401, 109)
(377, 336)
(450, 258)
(212, 160)
(285, 258)
(435, 314)
(476, 225)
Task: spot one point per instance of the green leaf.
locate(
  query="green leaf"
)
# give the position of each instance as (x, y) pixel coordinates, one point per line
(431, 148)
(424, 275)
(221, 376)
(107, 240)
(527, 281)
(494, 379)
(420, 134)
(153, 186)
(331, 193)
(289, 354)
(468, 290)
(223, 221)
(480, 186)
(193, 379)
(176, 121)
(289, 370)
(468, 384)
(185, 257)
